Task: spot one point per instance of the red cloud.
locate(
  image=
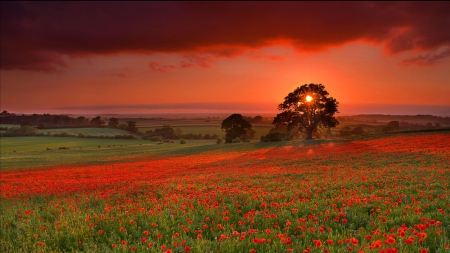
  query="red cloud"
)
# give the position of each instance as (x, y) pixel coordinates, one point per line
(36, 36)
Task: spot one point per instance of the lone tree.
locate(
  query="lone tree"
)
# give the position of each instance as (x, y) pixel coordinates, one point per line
(308, 107)
(131, 127)
(113, 123)
(235, 126)
(96, 122)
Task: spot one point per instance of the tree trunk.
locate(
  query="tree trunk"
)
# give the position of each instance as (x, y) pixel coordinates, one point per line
(308, 134)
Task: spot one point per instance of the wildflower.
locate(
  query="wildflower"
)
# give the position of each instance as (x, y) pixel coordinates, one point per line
(143, 239)
(187, 249)
(114, 245)
(100, 232)
(317, 243)
(41, 244)
(123, 242)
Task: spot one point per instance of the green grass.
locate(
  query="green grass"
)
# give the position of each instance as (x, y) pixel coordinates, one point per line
(32, 151)
(86, 131)
(9, 125)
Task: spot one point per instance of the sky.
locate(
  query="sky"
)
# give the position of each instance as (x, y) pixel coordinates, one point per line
(239, 57)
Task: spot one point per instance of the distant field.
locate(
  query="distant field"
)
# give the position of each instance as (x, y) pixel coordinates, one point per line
(86, 131)
(8, 125)
(261, 129)
(32, 151)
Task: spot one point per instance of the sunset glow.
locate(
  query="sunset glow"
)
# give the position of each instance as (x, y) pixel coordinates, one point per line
(309, 98)
(177, 57)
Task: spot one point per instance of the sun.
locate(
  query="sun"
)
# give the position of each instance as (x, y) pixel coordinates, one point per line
(309, 98)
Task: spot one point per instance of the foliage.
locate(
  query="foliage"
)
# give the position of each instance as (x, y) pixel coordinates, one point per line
(236, 140)
(24, 130)
(273, 136)
(156, 138)
(219, 141)
(182, 141)
(235, 126)
(347, 131)
(131, 127)
(297, 111)
(96, 122)
(113, 123)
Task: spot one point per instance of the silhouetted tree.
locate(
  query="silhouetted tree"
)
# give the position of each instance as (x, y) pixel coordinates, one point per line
(131, 127)
(179, 132)
(96, 122)
(394, 125)
(113, 122)
(235, 126)
(308, 107)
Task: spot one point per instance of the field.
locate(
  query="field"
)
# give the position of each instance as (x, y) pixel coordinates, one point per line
(372, 194)
(30, 152)
(85, 131)
(261, 129)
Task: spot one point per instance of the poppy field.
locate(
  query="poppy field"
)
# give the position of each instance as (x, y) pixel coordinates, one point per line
(385, 193)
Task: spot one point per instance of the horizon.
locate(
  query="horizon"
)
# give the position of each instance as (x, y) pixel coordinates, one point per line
(176, 57)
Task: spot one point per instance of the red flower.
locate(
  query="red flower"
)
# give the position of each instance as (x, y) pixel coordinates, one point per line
(187, 249)
(317, 243)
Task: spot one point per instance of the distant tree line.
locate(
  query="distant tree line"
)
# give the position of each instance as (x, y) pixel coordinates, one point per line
(33, 131)
(391, 126)
(49, 121)
(167, 132)
(376, 118)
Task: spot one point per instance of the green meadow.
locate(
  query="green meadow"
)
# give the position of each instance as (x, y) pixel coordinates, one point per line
(86, 131)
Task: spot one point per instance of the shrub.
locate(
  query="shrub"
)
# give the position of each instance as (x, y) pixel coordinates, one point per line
(80, 135)
(218, 140)
(182, 141)
(156, 138)
(236, 140)
(245, 137)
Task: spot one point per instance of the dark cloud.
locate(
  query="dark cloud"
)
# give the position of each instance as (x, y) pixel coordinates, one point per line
(427, 59)
(37, 35)
(189, 61)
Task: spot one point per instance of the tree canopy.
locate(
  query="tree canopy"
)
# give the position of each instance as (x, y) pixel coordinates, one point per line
(113, 123)
(307, 107)
(235, 126)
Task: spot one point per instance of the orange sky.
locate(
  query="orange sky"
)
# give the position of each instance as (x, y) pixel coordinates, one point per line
(180, 62)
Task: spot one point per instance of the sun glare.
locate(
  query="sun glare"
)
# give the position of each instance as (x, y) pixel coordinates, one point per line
(309, 98)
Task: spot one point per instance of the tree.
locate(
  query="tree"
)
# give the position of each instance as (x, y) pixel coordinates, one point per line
(96, 122)
(235, 126)
(113, 122)
(178, 132)
(131, 127)
(309, 108)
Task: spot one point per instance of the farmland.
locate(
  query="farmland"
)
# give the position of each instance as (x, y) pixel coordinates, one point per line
(381, 192)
